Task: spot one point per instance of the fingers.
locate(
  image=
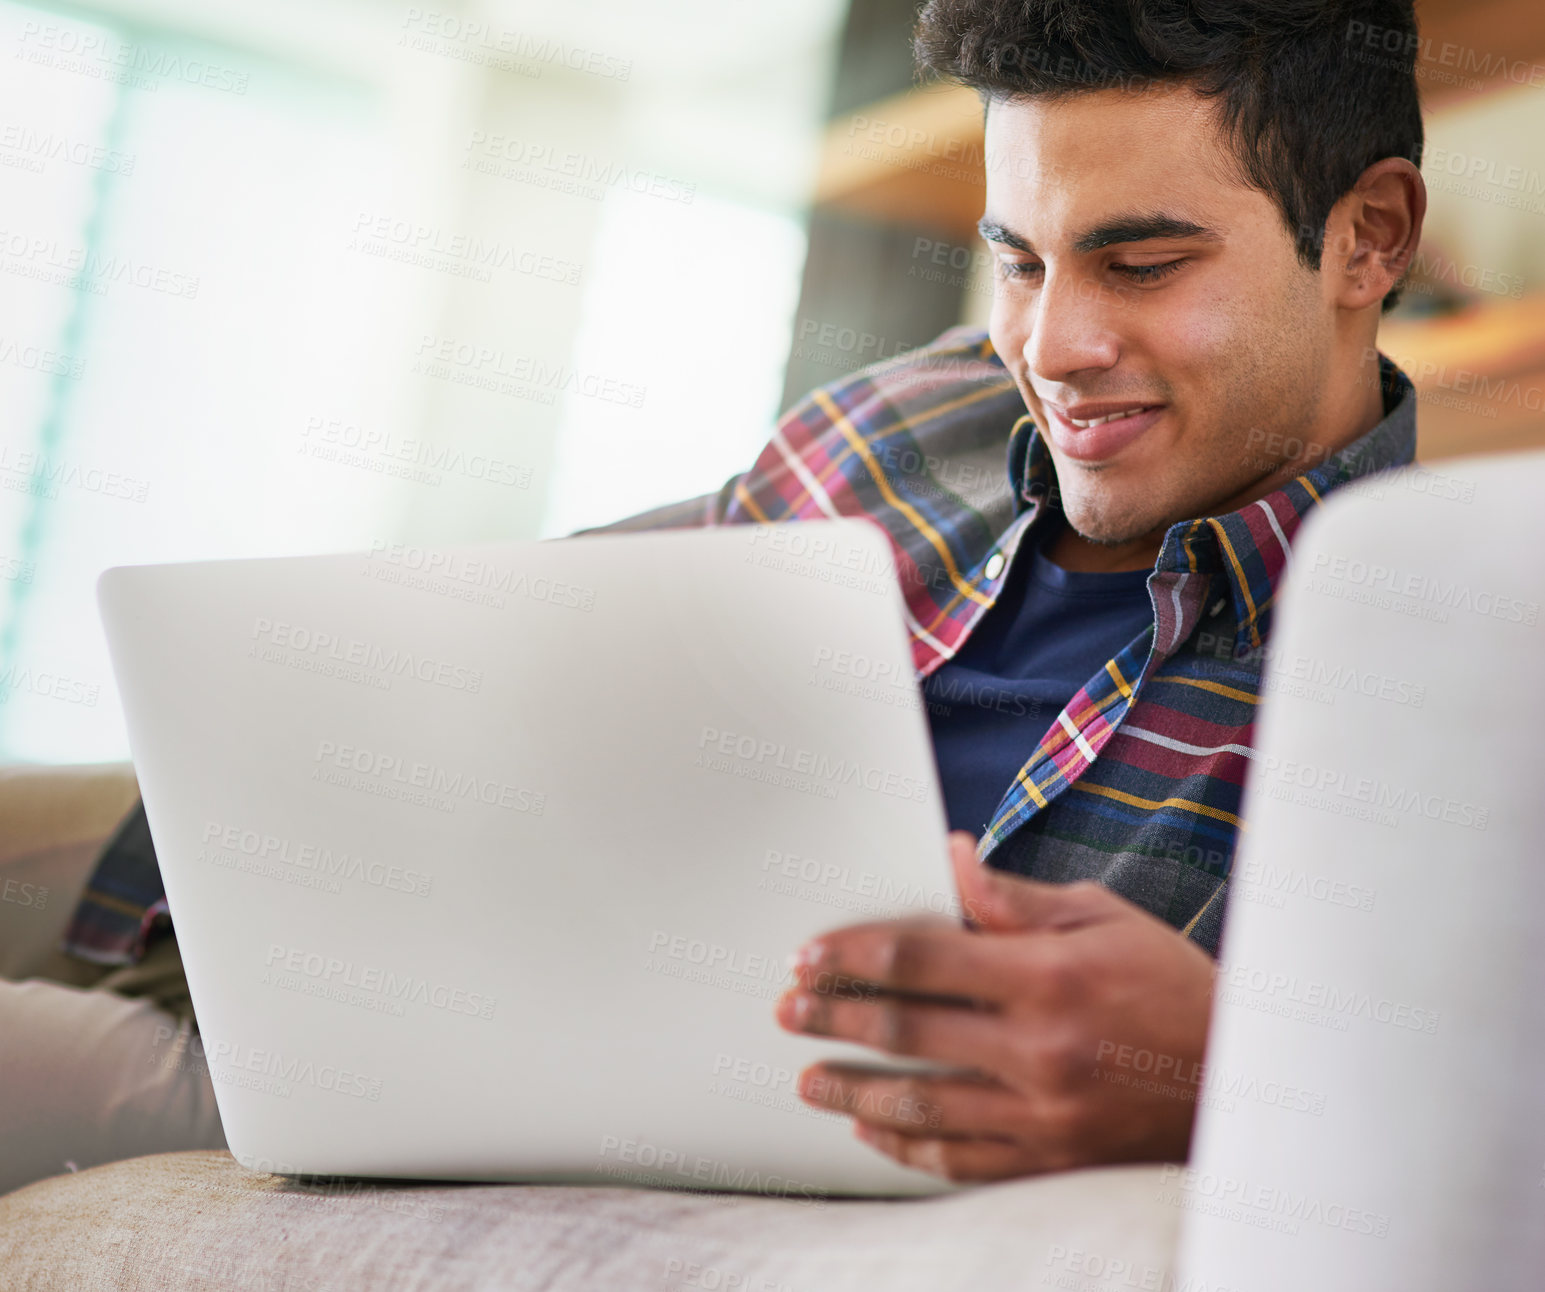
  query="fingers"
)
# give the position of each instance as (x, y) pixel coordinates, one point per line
(936, 957)
(964, 1037)
(960, 1160)
(923, 957)
(913, 1103)
(996, 901)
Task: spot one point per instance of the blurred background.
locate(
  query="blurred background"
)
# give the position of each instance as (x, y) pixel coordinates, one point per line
(289, 276)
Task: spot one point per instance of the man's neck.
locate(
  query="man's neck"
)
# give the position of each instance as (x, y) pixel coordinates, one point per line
(1073, 552)
(1363, 410)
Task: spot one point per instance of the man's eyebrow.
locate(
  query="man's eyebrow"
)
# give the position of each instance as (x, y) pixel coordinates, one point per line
(992, 231)
(1123, 229)
(1141, 228)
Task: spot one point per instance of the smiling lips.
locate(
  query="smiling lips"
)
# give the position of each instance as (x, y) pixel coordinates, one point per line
(1114, 417)
(1091, 432)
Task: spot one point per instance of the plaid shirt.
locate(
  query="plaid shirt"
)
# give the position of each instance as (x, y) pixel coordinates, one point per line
(1138, 782)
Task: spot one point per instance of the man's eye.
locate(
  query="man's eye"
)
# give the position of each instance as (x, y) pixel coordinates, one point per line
(1019, 268)
(1148, 273)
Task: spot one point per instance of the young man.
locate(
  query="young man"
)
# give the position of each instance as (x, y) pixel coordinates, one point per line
(1196, 227)
(1196, 224)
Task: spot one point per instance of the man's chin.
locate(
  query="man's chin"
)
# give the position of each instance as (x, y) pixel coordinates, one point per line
(1112, 541)
(1106, 526)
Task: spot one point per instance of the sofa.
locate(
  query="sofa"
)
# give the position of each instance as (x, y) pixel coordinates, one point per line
(1394, 1140)
(200, 1220)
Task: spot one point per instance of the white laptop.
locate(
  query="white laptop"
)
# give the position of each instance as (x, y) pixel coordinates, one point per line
(485, 862)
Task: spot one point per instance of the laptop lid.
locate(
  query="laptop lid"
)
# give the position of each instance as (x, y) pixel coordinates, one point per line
(485, 861)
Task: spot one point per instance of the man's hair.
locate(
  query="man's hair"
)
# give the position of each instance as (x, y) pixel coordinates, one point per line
(1310, 93)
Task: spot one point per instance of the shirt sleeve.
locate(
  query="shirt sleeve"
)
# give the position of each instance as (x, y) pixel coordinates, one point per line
(692, 513)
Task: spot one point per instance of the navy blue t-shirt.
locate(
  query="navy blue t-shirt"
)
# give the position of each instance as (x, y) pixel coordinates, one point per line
(1050, 631)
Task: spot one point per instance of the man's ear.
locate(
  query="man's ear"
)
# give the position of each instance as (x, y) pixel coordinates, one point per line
(1372, 233)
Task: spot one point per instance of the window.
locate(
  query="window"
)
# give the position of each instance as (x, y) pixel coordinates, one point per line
(261, 268)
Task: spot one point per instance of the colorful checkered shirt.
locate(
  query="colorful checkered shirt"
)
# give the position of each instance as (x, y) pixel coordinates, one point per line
(1138, 782)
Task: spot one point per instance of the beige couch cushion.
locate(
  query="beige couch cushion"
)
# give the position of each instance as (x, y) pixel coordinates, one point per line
(54, 823)
(198, 1220)
(47, 806)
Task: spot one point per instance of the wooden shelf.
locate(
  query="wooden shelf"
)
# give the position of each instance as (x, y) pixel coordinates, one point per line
(1472, 47)
(915, 159)
(1480, 377)
(1497, 339)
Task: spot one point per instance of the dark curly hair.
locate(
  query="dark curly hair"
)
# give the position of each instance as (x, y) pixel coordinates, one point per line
(1310, 92)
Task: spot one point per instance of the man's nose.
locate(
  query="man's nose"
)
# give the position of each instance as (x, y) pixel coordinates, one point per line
(1073, 328)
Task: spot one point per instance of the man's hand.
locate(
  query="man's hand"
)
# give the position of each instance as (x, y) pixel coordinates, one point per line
(1082, 1020)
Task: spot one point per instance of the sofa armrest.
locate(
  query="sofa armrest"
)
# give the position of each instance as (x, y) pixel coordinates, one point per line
(45, 806)
(55, 822)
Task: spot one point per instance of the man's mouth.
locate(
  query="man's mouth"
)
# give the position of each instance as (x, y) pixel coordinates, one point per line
(1093, 431)
(1112, 417)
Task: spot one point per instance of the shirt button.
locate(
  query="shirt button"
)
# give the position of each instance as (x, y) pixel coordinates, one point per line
(995, 564)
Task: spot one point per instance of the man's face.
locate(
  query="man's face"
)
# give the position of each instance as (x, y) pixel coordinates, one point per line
(1136, 271)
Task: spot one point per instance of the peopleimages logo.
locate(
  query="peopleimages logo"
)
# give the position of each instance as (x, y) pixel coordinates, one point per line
(233, 844)
(279, 642)
(21, 894)
(1184, 1078)
(1270, 885)
(1085, 1271)
(755, 759)
(17, 679)
(330, 439)
(1284, 1203)
(34, 358)
(689, 1171)
(863, 668)
(392, 769)
(1373, 792)
(1320, 679)
(434, 248)
(718, 957)
(231, 1063)
(439, 356)
(87, 268)
(546, 165)
(96, 53)
(45, 475)
(833, 884)
(481, 37)
(333, 972)
(456, 568)
(1430, 375)
(42, 148)
(1386, 583)
(1336, 1002)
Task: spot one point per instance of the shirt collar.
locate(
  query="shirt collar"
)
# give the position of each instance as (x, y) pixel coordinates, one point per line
(1248, 547)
